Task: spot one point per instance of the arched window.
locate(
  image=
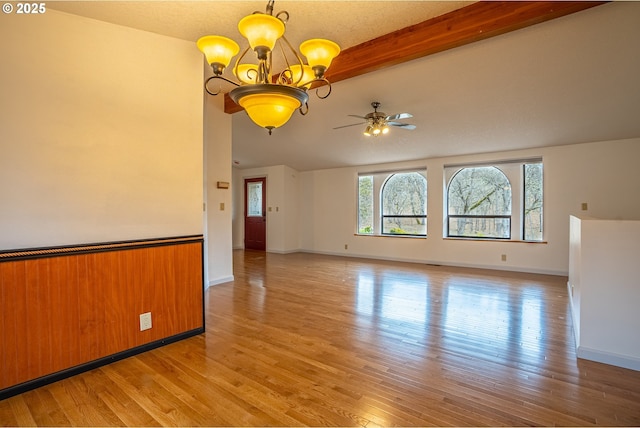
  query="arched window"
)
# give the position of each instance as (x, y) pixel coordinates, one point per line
(479, 203)
(404, 204)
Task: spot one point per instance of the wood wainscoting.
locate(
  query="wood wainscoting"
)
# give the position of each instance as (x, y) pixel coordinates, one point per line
(64, 310)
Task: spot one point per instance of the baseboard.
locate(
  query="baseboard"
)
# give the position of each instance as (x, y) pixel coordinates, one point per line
(439, 263)
(624, 361)
(221, 280)
(283, 251)
(63, 374)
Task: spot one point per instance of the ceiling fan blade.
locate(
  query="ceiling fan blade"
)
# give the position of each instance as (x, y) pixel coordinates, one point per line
(359, 117)
(399, 116)
(353, 124)
(402, 125)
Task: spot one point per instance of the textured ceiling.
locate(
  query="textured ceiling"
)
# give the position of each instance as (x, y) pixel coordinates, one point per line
(569, 80)
(348, 23)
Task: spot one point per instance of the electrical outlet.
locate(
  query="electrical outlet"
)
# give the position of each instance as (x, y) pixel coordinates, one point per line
(504, 257)
(145, 321)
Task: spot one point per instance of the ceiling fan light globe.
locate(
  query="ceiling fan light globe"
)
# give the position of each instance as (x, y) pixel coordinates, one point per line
(368, 131)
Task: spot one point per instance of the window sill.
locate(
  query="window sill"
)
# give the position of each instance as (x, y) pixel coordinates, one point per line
(390, 236)
(515, 241)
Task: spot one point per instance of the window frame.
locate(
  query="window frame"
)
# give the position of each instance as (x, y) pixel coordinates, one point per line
(479, 216)
(383, 215)
(524, 202)
(515, 172)
(379, 179)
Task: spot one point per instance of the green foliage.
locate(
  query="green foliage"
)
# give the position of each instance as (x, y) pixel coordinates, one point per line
(365, 203)
(398, 231)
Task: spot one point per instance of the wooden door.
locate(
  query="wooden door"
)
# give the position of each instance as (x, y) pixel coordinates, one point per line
(255, 213)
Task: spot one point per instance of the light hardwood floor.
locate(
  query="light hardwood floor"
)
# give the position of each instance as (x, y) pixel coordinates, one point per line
(305, 339)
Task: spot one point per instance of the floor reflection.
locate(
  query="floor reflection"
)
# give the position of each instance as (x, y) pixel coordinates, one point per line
(482, 316)
(490, 316)
(392, 299)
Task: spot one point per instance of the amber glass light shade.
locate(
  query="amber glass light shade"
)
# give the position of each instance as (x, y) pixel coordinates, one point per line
(269, 110)
(319, 52)
(269, 106)
(307, 75)
(261, 30)
(218, 49)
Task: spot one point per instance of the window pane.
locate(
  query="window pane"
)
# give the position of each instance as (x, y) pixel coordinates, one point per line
(365, 204)
(404, 225)
(533, 202)
(474, 227)
(254, 200)
(404, 204)
(479, 191)
(405, 194)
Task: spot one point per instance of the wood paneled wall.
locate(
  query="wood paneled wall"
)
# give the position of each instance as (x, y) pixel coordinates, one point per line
(63, 308)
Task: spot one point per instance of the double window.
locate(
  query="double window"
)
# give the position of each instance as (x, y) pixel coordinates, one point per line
(392, 203)
(498, 201)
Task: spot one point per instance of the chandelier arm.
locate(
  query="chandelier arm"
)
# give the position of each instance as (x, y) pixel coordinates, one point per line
(235, 67)
(328, 91)
(323, 82)
(286, 59)
(286, 19)
(269, 9)
(220, 88)
(285, 76)
(306, 109)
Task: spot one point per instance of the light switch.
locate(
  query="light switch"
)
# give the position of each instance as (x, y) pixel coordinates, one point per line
(221, 206)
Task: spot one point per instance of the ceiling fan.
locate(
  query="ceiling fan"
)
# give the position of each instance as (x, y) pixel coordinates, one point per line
(378, 122)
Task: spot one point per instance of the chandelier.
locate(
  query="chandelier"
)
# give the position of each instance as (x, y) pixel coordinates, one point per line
(269, 99)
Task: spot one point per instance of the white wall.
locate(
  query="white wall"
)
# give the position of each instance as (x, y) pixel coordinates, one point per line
(217, 138)
(101, 135)
(605, 290)
(602, 174)
(282, 207)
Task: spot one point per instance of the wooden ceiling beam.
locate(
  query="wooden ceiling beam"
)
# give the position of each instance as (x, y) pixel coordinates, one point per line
(478, 21)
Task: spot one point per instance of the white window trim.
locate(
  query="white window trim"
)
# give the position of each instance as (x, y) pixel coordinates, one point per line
(514, 172)
(379, 179)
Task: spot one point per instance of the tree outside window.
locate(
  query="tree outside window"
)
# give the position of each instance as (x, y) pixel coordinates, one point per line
(479, 203)
(365, 205)
(404, 204)
(532, 202)
(392, 203)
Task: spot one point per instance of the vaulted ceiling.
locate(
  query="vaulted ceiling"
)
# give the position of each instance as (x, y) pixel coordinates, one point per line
(568, 80)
